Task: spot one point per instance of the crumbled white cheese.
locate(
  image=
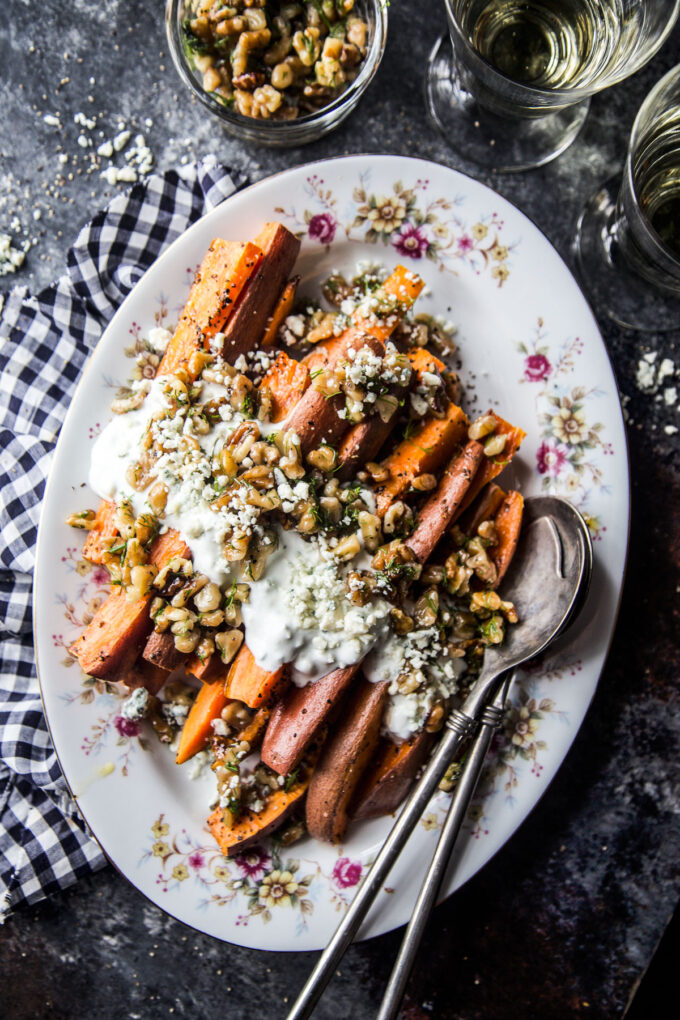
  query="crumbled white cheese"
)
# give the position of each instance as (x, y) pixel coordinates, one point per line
(159, 339)
(10, 258)
(121, 140)
(137, 705)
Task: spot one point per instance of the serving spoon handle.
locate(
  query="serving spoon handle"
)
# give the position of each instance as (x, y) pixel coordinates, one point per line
(457, 728)
(465, 788)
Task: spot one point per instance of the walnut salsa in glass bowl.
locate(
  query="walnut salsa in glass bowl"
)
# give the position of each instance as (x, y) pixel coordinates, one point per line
(275, 73)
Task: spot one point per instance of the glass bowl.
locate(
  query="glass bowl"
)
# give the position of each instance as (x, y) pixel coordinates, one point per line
(280, 133)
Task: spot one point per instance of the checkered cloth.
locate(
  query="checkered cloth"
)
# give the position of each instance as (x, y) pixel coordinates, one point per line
(44, 344)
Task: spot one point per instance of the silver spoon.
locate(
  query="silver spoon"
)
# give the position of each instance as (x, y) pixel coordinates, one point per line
(544, 580)
(491, 718)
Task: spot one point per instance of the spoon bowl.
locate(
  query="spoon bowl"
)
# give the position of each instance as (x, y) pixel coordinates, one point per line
(547, 582)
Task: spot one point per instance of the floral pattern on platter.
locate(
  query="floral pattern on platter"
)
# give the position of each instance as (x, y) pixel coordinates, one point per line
(260, 881)
(516, 748)
(408, 220)
(109, 731)
(569, 457)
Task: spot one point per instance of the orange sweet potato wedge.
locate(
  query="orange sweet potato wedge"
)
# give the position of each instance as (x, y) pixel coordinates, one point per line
(282, 310)
(197, 728)
(298, 716)
(287, 380)
(493, 466)
(424, 452)
(118, 625)
(390, 775)
(248, 682)
(244, 328)
(508, 523)
(483, 509)
(224, 272)
(105, 530)
(252, 827)
(440, 509)
(343, 760)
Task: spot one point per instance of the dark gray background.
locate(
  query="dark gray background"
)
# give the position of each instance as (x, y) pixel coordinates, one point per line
(564, 921)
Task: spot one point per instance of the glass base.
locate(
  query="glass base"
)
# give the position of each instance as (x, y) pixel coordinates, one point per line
(613, 288)
(501, 144)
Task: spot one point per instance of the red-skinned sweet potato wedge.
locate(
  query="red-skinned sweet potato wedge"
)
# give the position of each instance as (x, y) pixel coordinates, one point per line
(390, 775)
(315, 417)
(205, 669)
(405, 285)
(508, 523)
(343, 761)
(224, 272)
(160, 651)
(245, 326)
(297, 717)
(145, 674)
(440, 509)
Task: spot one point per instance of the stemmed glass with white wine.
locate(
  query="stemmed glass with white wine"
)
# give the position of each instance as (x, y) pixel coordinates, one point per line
(510, 84)
(627, 244)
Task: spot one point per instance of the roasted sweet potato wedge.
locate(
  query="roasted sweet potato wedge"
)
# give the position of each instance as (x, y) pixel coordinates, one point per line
(252, 827)
(390, 774)
(247, 323)
(297, 717)
(440, 509)
(343, 760)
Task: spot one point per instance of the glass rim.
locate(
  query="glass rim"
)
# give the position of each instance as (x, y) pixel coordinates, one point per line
(277, 127)
(577, 94)
(649, 100)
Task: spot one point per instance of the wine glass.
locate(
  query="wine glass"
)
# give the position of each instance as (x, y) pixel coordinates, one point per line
(510, 85)
(627, 244)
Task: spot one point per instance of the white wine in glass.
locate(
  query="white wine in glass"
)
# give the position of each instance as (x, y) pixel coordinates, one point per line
(511, 84)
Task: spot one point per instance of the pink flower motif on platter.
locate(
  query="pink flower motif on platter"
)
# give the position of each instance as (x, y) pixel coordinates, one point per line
(536, 368)
(100, 575)
(465, 243)
(410, 241)
(196, 860)
(126, 727)
(322, 228)
(346, 873)
(551, 457)
(253, 863)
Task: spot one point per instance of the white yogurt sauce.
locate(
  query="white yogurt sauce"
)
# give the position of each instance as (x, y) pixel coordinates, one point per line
(299, 612)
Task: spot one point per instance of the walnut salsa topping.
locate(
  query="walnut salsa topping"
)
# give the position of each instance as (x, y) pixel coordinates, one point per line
(273, 60)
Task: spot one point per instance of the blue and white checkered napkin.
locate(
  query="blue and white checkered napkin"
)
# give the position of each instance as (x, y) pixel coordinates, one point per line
(44, 344)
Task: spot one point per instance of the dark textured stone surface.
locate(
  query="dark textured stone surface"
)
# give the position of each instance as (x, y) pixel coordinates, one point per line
(564, 921)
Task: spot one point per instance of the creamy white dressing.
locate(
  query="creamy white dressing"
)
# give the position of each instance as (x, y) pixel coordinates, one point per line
(420, 652)
(299, 613)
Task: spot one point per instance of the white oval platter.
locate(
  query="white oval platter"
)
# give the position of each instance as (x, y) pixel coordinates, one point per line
(530, 348)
